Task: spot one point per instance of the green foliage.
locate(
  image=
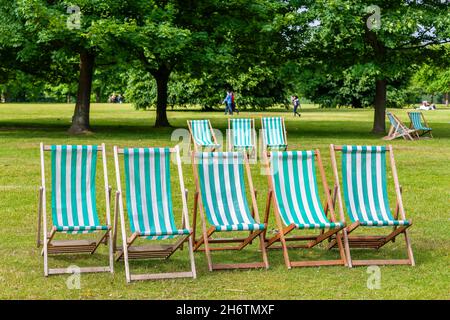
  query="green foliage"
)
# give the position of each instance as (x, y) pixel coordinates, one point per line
(141, 89)
(432, 79)
(264, 50)
(341, 57)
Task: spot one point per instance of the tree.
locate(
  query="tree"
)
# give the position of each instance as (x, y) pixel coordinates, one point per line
(380, 40)
(57, 33)
(173, 36)
(434, 75)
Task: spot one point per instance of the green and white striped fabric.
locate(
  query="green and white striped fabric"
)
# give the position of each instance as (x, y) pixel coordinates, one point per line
(74, 207)
(222, 186)
(242, 134)
(416, 120)
(365, 188)
(294, 180)
(395, 123)
(149, 195)
(201, 133)
(274, 133)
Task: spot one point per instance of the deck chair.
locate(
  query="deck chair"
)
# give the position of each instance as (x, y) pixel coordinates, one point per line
(220, 196)
(398, 129)
(242, 136)
(150, 210)
(74, 208)
(202, 135)
(273, 134)
(293, 190)
(364, 181)
(422, 128)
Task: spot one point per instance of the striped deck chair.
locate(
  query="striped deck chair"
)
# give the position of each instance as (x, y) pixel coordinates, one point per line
(422, 128)
(398, 129)
(242, 136)
(202, 135)
(220, 196)
(273, 134)
(150, 209)
(293, 189)
(364, 181)
(74, 208)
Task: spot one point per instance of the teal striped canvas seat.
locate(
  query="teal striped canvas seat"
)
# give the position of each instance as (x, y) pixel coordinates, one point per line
(294, 181)
(221, 179)
(74, 207)
(149, 196)
(365, 187)
(398, 127)
(242, 134)
(274, 133)
(201, 133)
(416, 120)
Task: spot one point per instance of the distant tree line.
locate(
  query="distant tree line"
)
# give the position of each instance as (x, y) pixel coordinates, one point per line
(166, 53)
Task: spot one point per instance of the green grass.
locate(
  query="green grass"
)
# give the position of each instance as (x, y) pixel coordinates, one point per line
(423, 168)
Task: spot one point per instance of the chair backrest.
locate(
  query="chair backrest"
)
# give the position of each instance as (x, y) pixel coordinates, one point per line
(242, 133)
(273, 130)
(364, 182)
(416, 120)
(201, 132)
(148, 189)
(395, 122)
(294, 181)
(73, 188)
(222, 186)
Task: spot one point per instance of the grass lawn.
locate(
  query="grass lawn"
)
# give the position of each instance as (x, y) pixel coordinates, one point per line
(424, 172)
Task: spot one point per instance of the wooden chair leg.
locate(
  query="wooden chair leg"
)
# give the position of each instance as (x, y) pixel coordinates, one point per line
(341, 248)
(347, 247)
(266, 213)
(116, 217)
(283, 241)
(409, 249)
(207, 252)
(263, 250)
(39, 222)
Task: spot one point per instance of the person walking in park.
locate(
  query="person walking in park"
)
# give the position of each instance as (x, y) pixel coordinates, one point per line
(296, 103)
(228, 103)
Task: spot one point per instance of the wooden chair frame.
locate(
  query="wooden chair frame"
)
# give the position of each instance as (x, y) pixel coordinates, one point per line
(197, 147)
(264, 148)
(407, 134)
(253, 154)
(374, 242)
(206, 239)
(128, 251)
(51, 246)
(313, 240)
(424, 132)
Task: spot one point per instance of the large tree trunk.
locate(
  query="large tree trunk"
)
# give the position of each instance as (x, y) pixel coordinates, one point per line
(380, 57)
(80, 119)
(162, 79)
(446, 99)
(379, 124)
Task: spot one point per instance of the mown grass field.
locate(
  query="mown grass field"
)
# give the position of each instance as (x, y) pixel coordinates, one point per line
(424, 172)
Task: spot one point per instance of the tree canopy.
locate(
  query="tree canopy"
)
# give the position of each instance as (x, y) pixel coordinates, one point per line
(177, 52)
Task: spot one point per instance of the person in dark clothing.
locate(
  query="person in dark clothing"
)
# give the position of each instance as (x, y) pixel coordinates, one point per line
(228, 103)
(296, 104)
